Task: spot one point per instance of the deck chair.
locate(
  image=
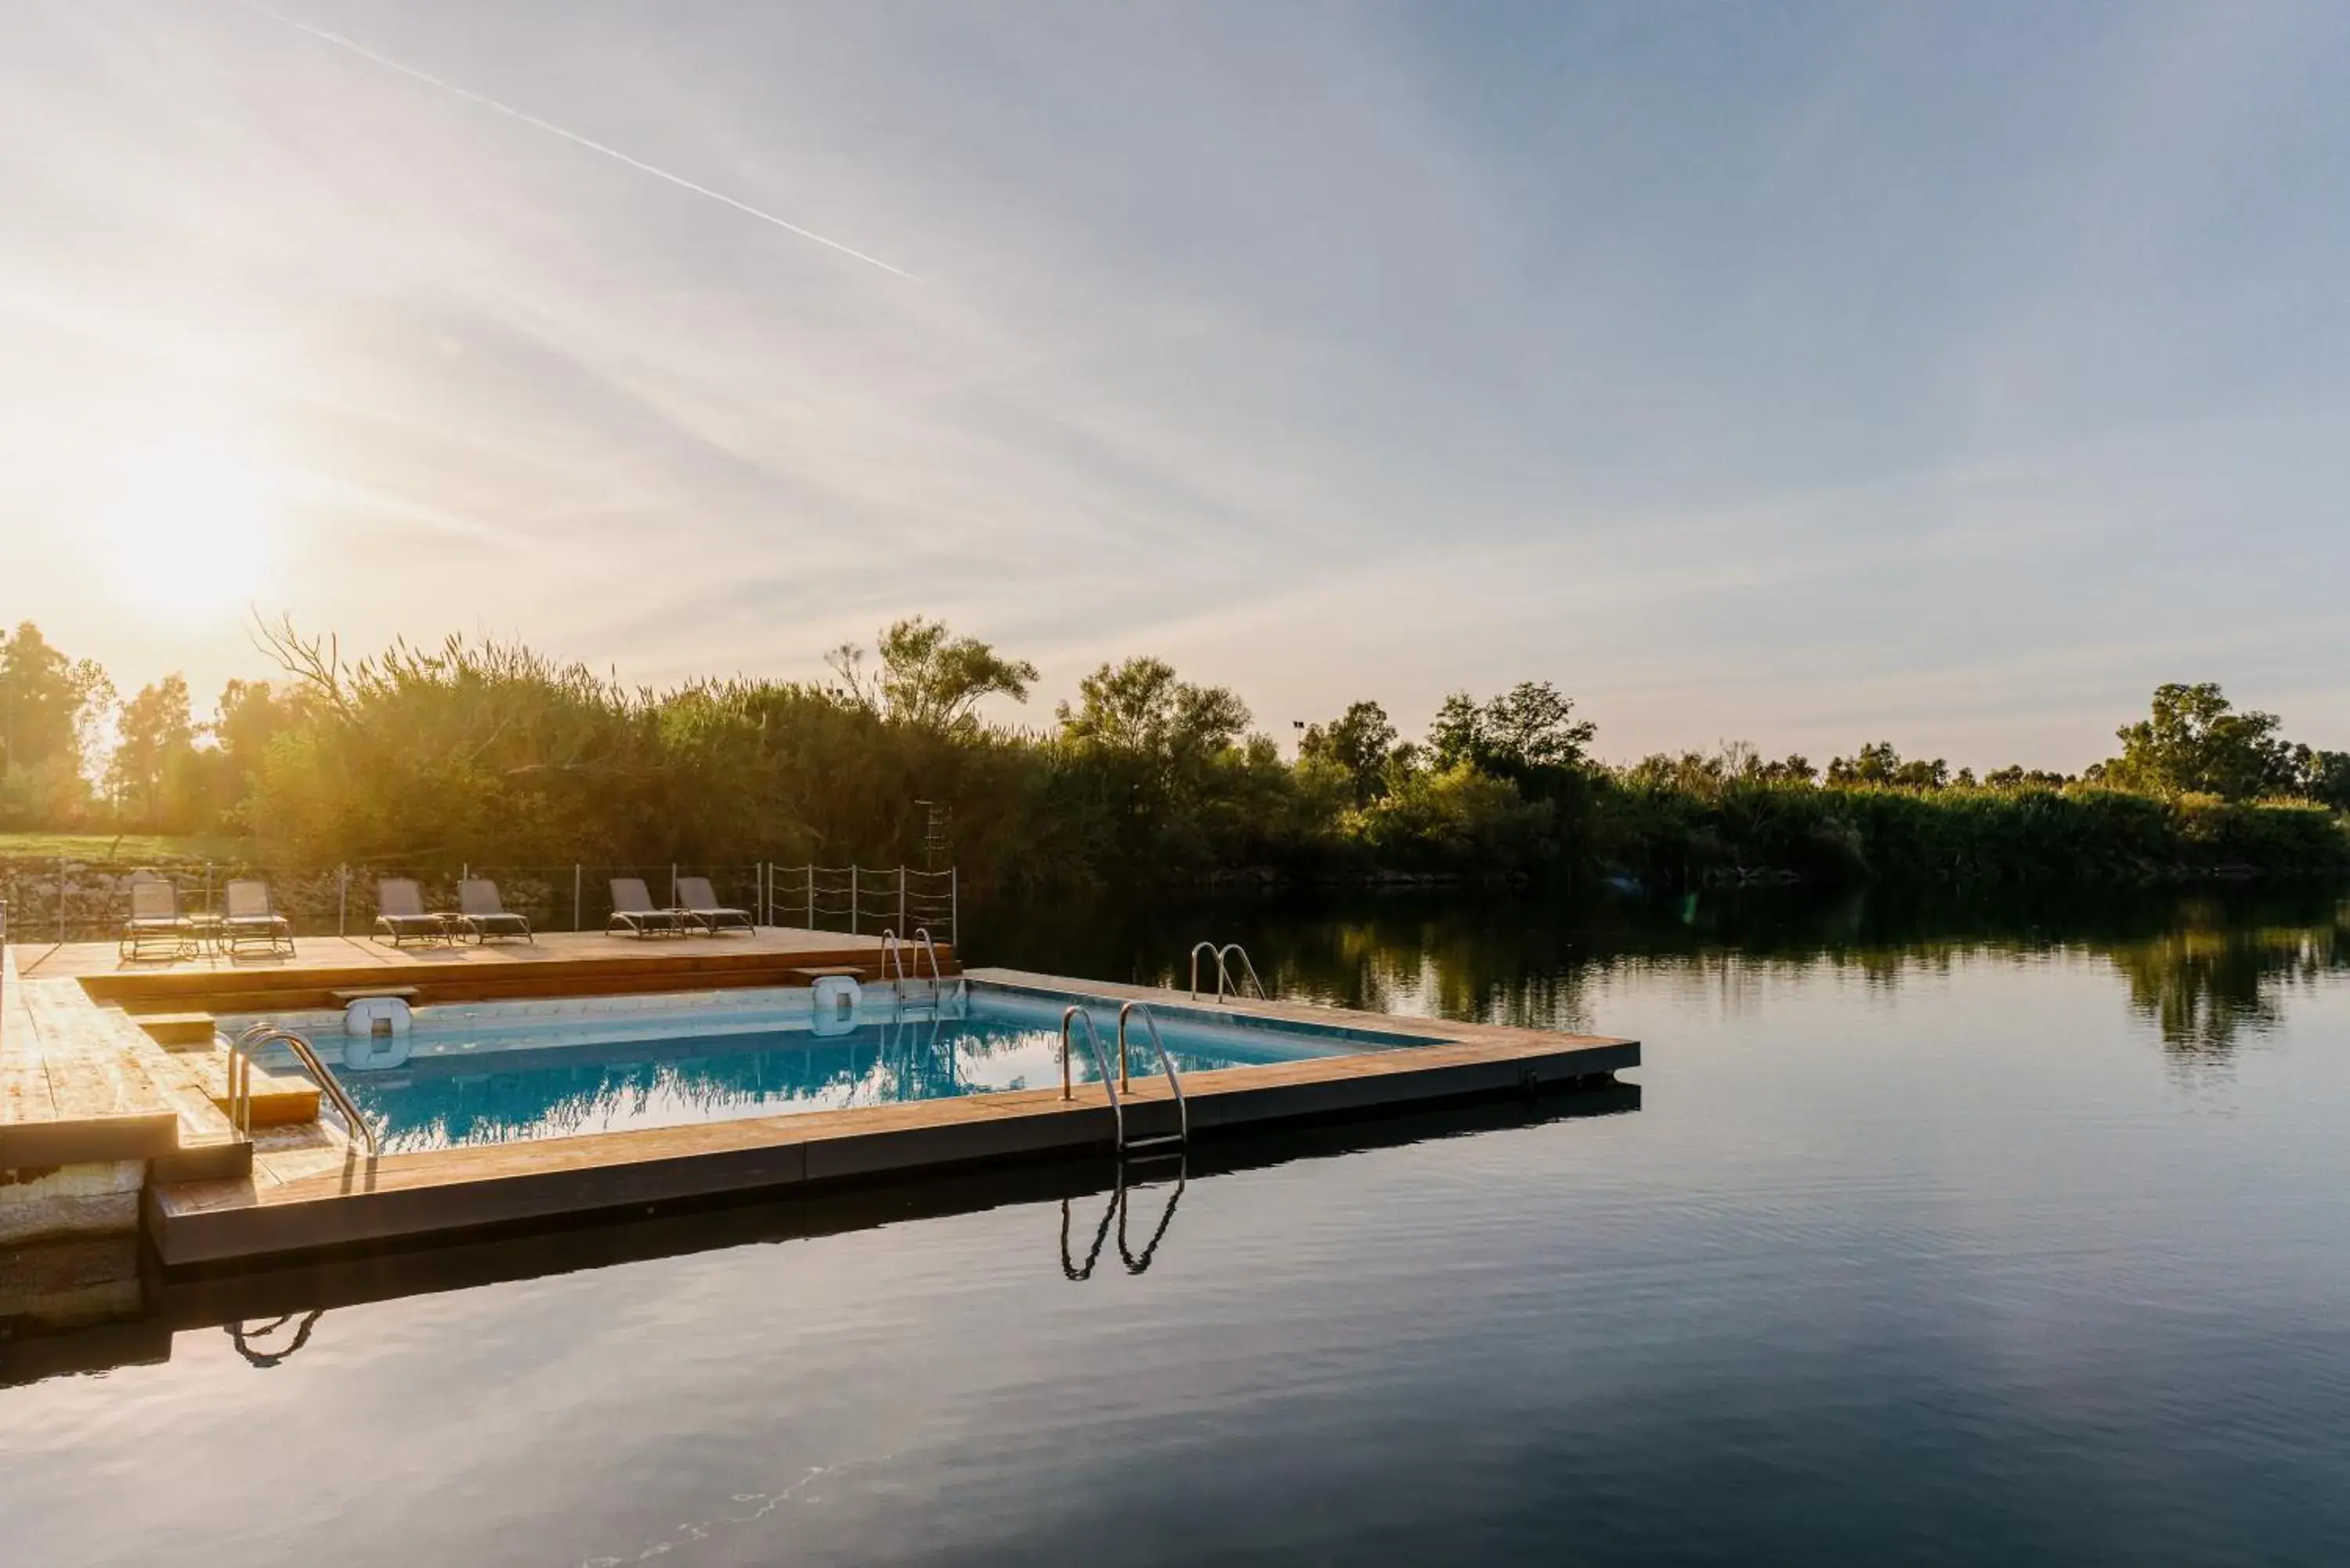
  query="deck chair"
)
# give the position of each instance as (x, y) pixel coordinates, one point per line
(634, 914)
(704, 912)
(156, 929)
(251, 918)
(481, 915)
(400, 914)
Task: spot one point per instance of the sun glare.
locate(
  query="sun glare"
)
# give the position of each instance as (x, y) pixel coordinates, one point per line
(190, 535)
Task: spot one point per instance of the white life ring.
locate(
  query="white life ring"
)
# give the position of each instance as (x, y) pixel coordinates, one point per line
(372, 1015)
(835, 999)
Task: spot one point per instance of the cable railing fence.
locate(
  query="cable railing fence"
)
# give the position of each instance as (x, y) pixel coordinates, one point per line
(866, 899)
(70, 900)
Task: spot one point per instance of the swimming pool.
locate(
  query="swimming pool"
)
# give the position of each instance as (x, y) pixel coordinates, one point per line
(504, 1072)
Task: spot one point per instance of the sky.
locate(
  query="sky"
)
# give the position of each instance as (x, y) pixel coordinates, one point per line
(1802, 375)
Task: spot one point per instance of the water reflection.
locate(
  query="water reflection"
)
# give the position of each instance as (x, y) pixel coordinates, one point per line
(2204, 971)
(1120, 1203)
(53, 1323)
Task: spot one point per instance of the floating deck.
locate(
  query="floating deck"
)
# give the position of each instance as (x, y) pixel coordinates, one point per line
(299, 1188)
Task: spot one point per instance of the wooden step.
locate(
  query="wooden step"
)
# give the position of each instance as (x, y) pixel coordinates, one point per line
(179, 1031)
(277, 1101)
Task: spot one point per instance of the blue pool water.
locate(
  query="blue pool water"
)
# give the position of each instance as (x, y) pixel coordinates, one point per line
(1921, 1245)
(499, 1075)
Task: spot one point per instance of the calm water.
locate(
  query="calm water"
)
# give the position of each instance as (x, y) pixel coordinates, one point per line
(1955, 1235)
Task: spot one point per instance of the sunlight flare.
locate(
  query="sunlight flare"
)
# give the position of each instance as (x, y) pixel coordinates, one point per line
(192, 532)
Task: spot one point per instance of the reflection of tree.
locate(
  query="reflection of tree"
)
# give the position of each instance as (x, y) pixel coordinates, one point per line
(2203, 986)
(2206, 968)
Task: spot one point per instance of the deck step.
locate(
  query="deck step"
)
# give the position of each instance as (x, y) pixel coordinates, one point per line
(179, 1031)
(279, 1101)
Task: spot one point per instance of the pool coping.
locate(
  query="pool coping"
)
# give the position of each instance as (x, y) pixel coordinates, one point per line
(289, 1204)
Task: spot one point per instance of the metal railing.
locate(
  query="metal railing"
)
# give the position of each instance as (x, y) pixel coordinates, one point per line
(240, 1084)
(69, 899)
(1071, 1014)
(1182, 1132)
(1225, 978)
(860, 898)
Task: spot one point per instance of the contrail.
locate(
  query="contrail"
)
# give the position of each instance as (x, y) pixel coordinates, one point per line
(511, 113)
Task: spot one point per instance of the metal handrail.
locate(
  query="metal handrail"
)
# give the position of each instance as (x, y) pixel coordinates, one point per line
(240, 1084)
(1073, 1013)
(1231, 948)
(1225, 978)
(1166, 1063)
(923, 945)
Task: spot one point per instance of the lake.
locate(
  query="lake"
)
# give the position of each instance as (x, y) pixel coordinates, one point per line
(1954, 1231)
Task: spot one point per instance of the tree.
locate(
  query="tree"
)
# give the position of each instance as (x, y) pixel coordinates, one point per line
(1528, 735)
(1880, 764)
(929, 678)
(52, 709)
(2194, 741)
(1359, 742)
(154, 747)
(2322, 776)
(1141, 708)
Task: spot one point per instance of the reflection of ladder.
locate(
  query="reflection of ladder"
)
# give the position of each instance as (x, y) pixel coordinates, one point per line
(1226, 980)
(1136, 1263)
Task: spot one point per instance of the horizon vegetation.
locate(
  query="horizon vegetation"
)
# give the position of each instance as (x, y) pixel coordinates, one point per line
(491, 753)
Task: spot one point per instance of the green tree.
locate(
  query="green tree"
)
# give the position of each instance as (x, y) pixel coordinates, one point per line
(929, 678)
(1528, 735)
(51, 709)
(154, 751)
(1358, 741)
(2195, 742)
(1879, 764)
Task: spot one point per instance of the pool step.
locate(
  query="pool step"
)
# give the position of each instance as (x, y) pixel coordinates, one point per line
(277, 1101)
(178, 1031)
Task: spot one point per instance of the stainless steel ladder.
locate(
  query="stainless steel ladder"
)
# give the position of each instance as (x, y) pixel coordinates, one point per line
(1116, 1087)
(240, 1084)
(1225, 978)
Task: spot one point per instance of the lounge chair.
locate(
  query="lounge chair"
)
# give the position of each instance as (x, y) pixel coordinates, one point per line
(704, 912)
(634, 914)
(156, 929)
(249, 918)
(400, 914)
(481, 914)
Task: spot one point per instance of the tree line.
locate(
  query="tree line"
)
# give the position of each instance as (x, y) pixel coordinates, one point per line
(490, 753)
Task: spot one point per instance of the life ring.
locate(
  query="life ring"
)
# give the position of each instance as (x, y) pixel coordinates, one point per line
(834, 1000)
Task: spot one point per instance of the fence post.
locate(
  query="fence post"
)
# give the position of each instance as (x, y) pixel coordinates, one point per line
(811, 876)
(343, 899)
(954, 910)
(575, 895)
(766, 871)
(672, 884)
(852, 895)
(901, 897)
(61, 900)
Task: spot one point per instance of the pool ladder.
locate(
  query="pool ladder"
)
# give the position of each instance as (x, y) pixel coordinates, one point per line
(1073, 1015)
(1225, 978)
(240, 1084)
(893, 960)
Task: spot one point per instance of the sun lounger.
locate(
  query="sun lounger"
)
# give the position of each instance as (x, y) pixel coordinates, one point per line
(704, 912)
(633, 913)
(156, 929)
(401, 916)
(249, 918)
(481, 915)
